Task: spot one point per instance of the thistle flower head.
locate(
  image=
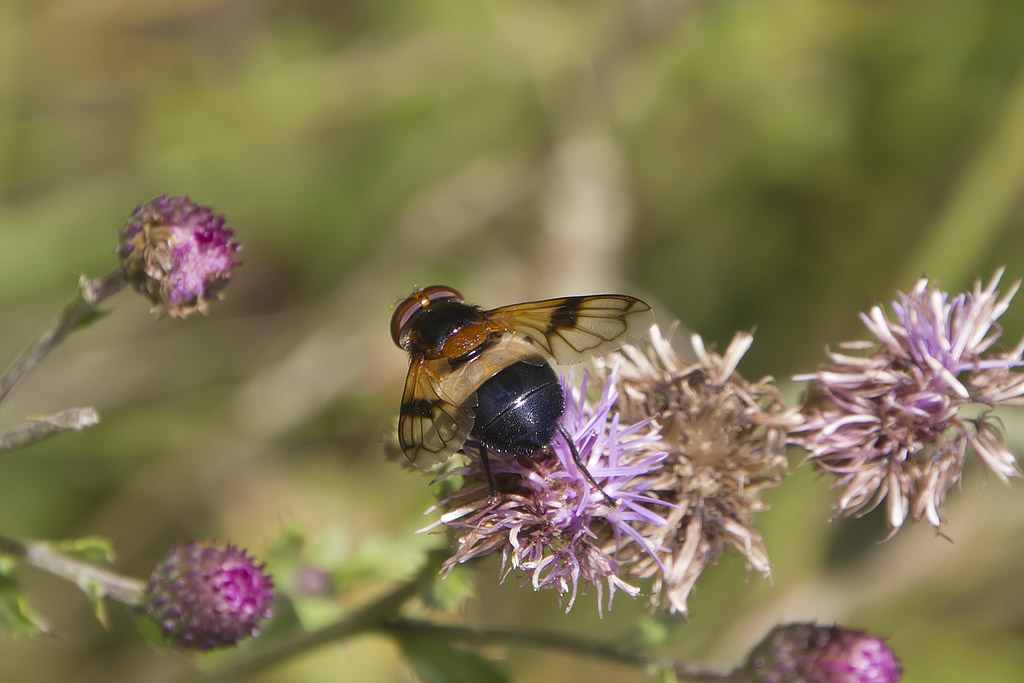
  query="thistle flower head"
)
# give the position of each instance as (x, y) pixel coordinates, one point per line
(177, 253)
(725, 438)
(205, 596)
(808, 653)
(548, 521)
(889, 419)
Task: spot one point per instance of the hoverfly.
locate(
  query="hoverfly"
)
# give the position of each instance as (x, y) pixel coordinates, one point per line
(485, 374)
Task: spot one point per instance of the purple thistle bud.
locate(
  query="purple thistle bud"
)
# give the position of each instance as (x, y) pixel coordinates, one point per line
(887, 420)
(807, 653)
(204, 596)
(547, 520)
(177, 253)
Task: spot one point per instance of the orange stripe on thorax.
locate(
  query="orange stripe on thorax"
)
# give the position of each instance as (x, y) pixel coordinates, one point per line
(465, 340)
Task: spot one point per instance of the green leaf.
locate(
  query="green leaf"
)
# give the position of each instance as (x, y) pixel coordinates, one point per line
(91, 549)
(318, 569)
(94, 550)
(150, 630)
(668, 676)
(293, 557)
(94, 592)
(449, 592)
(648, 632)
(435, 661)
(16, 616)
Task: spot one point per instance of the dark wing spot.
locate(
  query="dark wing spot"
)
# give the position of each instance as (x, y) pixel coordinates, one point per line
(565, 316)
(419, 407)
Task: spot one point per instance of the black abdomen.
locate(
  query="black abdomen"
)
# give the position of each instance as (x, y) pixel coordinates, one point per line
(518, 408)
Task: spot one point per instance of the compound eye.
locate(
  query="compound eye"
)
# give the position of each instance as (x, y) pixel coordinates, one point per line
(401, 316)
(438, 292)
(413, 304)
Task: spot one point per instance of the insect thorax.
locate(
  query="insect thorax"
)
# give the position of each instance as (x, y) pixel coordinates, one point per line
(440, 330)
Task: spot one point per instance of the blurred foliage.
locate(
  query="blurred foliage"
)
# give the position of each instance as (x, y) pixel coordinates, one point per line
(780, 164)
(435, 661)
(17, 618)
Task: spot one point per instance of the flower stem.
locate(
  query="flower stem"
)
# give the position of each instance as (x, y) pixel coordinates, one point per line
(91, 292)
(594, 649)
(41, 555)
(382, 616)
(369, 618)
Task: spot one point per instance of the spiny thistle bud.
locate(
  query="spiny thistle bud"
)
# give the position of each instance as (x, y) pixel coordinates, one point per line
(808, 653)
(205, 596)
(177, 253)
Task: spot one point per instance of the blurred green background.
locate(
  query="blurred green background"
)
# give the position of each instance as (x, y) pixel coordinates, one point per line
(780, 164)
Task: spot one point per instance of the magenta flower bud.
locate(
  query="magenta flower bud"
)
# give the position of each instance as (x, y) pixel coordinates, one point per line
(205, 596)
(177, 253)
(808, 653)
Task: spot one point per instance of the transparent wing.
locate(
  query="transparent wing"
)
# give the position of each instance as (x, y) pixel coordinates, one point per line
(575, 328)
(431, 427)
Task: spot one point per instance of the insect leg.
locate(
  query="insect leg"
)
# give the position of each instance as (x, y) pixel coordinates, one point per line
(579, 463)
(487, 470)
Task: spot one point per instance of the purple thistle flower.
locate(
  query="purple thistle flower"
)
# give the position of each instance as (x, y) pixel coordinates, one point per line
(177, 253)
(890, 425)
(204, 596)
(808, 653)
(547, 520)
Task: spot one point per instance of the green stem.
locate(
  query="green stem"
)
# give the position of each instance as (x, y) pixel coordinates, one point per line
(382, 616)
(562, 642)
(41, 555)
(369, 618)
(90, 294)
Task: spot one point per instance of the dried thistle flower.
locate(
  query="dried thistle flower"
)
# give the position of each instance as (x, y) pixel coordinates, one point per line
(808, 653)
(177, 253)
(890, 422)
(547, 520)
(726, 441)
(205, 596)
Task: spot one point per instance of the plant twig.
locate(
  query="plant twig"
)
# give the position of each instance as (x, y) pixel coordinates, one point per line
(45, 426)
(91, 292)
(41, 555)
